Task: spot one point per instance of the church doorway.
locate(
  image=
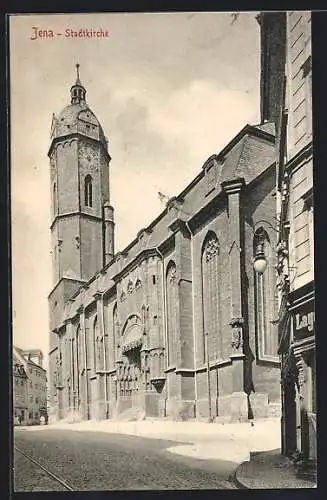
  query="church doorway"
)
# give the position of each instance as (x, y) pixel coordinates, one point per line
(131, 374)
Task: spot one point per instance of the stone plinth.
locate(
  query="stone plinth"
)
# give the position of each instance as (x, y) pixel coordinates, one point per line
(258, 405)
(180, 409)
(235, 406)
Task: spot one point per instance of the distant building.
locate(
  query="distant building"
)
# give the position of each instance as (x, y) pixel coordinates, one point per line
(20, 390)
(287, 99)
(178, 324)
(35, 385)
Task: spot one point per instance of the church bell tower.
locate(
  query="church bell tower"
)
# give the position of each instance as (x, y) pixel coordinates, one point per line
(82, 219)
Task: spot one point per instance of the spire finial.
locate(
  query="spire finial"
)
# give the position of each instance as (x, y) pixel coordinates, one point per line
(77, 71)
(77, 92)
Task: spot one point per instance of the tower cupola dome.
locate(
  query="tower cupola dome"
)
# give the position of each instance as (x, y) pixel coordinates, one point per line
(77, 92)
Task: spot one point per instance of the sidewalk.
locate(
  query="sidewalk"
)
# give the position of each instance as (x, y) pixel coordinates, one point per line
(269, 470)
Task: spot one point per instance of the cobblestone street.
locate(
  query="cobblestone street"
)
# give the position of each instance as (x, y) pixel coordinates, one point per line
(98, 461)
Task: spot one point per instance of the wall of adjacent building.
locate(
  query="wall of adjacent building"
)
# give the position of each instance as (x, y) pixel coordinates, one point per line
(299, 136)
(37, 392)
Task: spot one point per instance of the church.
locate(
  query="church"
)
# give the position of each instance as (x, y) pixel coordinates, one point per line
(180, 324)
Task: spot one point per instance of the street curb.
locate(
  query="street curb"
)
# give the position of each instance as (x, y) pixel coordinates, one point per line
(234, 479)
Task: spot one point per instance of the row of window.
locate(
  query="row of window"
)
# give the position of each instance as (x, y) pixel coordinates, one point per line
(36, 400)
(19, 382)
(36, 386)
(35, 371)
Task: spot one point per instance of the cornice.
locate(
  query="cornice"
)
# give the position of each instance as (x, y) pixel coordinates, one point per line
(78, 213)
(63, 278)
(232, 186)
(77, 135)
(303, 155)
(145, 253)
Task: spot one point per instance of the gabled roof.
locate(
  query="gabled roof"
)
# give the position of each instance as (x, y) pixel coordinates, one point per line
(19, 357)
(22, 357)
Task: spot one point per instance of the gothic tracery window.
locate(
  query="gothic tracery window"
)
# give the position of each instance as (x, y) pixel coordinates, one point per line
(210, 287)
(172, 297)
(88, 195)
(265, 301)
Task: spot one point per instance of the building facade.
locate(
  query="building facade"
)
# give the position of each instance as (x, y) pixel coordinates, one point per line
(30, 386)
(295, 249)
(178, 324)
(20, 390)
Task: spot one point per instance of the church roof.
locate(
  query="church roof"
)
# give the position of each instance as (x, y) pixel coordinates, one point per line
(75, 118)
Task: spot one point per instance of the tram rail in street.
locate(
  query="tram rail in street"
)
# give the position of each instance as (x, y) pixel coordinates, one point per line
(56, 478)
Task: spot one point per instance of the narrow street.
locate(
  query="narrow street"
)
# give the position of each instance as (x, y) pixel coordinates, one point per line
(99, 461)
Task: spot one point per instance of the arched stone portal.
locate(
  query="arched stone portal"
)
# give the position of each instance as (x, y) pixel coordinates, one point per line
(129, 373)
(139, 376)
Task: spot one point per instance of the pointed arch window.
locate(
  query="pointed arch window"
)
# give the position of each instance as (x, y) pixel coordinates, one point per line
(78, 361)
(172, 298)
(211, 296)
(264, 290)
(88, 194)
(73, 363)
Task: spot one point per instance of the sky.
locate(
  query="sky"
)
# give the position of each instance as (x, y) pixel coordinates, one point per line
(169, 90)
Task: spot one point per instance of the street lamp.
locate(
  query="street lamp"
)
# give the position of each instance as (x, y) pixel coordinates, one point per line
(260, 261)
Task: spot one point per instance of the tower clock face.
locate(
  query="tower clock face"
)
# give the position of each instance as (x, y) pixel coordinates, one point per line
(89, 156)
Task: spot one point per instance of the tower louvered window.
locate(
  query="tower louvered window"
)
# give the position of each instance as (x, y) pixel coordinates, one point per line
(88, 195)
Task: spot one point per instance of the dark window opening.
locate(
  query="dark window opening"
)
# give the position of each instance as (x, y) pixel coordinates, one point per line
(154, 279)
(54, 199)
(88, 191)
